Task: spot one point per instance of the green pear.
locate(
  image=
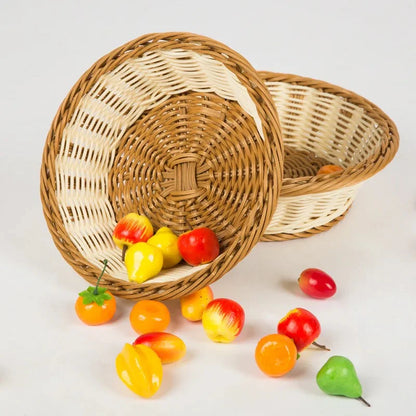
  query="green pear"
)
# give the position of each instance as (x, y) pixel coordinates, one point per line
(338, 377)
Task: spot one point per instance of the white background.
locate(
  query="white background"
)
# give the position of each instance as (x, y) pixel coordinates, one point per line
(50, 363)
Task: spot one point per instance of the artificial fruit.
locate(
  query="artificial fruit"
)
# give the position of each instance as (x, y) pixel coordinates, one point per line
(140, 369)
(326, 169)
(167, 242)
(194, 304)
(317, 284)
(131, 229)
(223, 320)
(168, 347)
(149, 316)
(143, 262)
(338, 377)
(96, 305)
(198, 246)
(302, 326)
(276, 355)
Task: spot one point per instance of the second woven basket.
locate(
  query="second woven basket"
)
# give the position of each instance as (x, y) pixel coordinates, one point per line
(324, 124)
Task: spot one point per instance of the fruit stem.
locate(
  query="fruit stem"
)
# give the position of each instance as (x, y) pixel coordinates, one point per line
(322, 347)
(364, 401)
(123, 253)
(101, 275)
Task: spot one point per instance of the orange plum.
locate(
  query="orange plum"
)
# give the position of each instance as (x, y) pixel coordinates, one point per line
(168, 347)
(193, 305)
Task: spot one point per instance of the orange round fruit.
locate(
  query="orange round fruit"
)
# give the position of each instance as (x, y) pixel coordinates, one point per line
(94, 314)
(276, 355)
(149, 316)
(326, 169)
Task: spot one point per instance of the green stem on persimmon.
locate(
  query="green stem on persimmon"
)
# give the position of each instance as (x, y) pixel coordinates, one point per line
(123, 253)
(101, 275)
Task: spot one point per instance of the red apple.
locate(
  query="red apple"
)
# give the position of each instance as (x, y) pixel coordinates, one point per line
(223, 320)
(302, 326)
(317, 284)
(198, 246)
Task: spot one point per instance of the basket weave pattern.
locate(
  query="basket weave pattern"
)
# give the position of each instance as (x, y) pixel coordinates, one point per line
(324, 124)
(177, 127)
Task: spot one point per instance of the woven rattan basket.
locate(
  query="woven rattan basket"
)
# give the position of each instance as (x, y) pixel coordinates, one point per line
(324, 124)
(174, 126)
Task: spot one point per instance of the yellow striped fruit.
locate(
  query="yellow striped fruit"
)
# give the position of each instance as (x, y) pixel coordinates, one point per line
(131, 229)
(223, 320)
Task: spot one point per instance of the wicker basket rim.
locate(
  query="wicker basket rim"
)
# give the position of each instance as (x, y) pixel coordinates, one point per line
(351, 175)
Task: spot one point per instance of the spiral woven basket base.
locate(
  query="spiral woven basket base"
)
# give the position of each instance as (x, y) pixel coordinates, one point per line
(188, 184)
(174, 126)
(324, 124)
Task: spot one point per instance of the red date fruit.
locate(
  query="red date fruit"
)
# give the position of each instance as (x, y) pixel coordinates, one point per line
(317, 284)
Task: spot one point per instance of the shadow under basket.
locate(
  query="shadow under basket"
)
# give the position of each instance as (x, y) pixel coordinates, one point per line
(324, 124)
(174, 126)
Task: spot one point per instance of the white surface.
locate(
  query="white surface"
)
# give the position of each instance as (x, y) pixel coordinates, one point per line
(52, 364)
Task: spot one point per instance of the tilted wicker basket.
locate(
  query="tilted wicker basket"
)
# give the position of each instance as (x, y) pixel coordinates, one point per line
(174, 126)
(324, 124)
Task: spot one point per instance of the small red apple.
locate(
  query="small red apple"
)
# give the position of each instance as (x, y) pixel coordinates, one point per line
(302, 326)
(198, 246)
(223, 320)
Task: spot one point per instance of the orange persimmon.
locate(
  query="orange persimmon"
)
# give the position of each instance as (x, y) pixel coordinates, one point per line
(96, 305)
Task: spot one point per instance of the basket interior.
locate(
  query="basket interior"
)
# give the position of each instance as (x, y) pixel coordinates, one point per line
(172, 135)
(322, 128)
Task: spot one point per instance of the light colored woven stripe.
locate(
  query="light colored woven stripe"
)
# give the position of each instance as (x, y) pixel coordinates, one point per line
(104, 113)
(325, 124)
(296, 214)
